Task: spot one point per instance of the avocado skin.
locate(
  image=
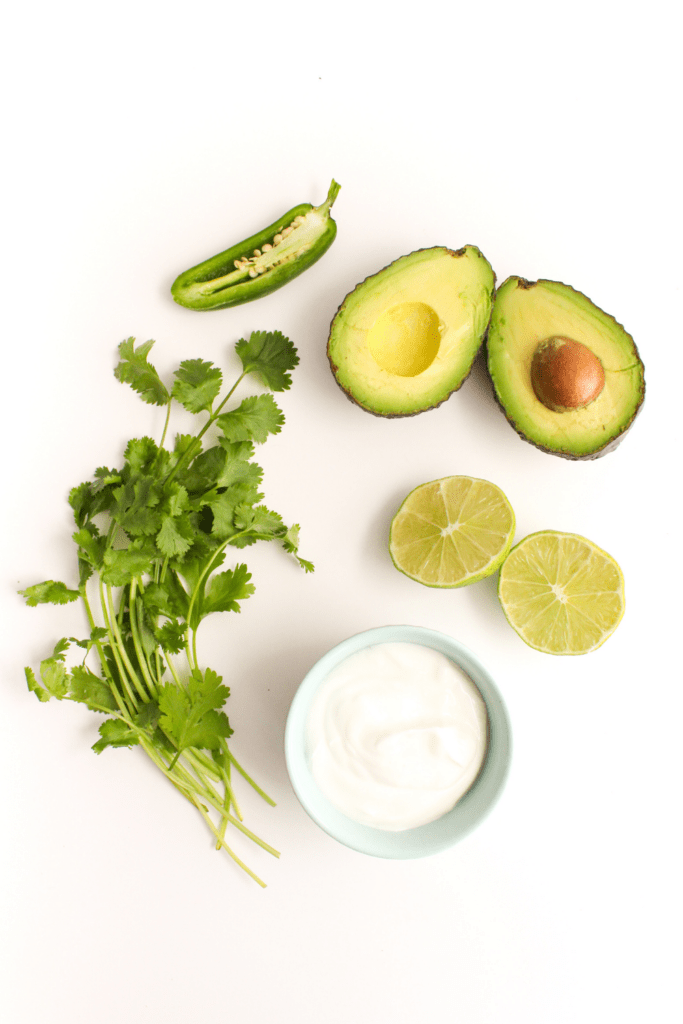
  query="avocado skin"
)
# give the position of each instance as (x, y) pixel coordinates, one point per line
(609, 445)
(434, 405)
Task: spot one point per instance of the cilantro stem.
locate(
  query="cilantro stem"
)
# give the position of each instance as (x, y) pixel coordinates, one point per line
(134, 607)
(144, 697)
(174, 761)
(248, 778)
(208, 765)
(166, 422)
(229, 797)
(172, 669)
(229, 395)
(228, 850)
(175, 777)
(206, 572)
(250, 835)
(192, 449)
(207, 792)
(198, 764)
(103, 661)
(194, 649)
(115, 645)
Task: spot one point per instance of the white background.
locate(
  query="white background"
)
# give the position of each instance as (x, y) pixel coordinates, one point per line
(142, 138)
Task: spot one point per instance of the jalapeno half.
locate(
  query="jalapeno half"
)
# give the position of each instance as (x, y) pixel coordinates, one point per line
(261, 263)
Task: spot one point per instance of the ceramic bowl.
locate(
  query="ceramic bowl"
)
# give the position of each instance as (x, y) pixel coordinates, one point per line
(469, 810)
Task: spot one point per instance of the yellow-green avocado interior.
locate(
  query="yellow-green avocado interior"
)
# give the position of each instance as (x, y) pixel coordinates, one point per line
(406, 337)
(526, 313)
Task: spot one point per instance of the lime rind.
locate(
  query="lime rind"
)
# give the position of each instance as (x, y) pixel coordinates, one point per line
(592, 586)
(452, 532)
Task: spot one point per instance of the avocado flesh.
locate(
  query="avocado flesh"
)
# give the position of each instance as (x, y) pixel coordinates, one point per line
(526, 313)
(404, 339)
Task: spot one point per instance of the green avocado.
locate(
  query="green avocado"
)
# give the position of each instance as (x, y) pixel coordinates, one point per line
(404, 339)
(566, 374)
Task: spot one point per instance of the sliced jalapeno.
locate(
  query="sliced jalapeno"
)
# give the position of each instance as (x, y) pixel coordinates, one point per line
(261, 263)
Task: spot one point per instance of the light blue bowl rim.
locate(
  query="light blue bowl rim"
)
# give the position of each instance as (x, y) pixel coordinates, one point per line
(470, 810)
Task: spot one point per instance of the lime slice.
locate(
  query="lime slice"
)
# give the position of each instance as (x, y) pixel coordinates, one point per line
(452, 532)
(561, 593)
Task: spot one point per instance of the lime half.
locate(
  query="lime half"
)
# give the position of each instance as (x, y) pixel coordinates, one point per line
(561, 593)
(452, 532)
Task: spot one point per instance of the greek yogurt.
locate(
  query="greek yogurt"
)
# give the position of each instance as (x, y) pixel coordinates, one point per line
(396, 735)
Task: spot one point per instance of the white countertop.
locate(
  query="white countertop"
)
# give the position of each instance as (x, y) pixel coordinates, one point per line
(144, 138)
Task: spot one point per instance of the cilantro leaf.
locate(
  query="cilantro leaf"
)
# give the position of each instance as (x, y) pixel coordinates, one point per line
(175, 536)
(197, 385)
(167, 598)
(97, 634)
(140, 454)
(269, 355)
(105, 478)
(49, 592)
(148, 716)
(135, 505)
(80, 499)
(134, 369)
(236, 451)
(253, 420)
(122, 564)
(115, 733)
(88, 499)
(34, 686)
(182, 445)
(266, 523)
(190, 716)
(205, 471)
(91, 547)
(54, 675)
(172, 636)
(90, 690)
(239, 471)
(290, 543)
(194, 570)
(176, 499)
(225, 590)
(224, 506)
(256, 523)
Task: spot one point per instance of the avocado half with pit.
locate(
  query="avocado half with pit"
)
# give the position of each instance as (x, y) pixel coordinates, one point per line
(565, 373)
(405, 339)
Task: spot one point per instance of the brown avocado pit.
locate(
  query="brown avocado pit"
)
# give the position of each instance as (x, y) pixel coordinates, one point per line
(565, 374)
(524, 312)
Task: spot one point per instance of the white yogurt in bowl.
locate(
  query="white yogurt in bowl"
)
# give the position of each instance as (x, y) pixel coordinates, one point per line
(395, 735)
(397, 742)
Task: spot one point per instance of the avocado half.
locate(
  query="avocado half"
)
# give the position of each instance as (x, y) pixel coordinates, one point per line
(532, 319)
(405, 339)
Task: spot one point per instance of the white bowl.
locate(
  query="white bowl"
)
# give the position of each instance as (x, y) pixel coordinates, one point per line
(469, 810)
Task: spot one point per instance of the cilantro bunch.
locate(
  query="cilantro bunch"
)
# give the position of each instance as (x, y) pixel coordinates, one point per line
(150, 538)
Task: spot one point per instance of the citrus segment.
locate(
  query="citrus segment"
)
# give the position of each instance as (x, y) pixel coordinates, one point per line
(452, 532)
(561, 593)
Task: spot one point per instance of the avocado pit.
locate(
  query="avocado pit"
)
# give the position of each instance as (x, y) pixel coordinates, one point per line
(565, 374)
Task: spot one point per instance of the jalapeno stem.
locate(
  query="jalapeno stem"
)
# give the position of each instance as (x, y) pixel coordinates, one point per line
(300, 239)
(331, 196)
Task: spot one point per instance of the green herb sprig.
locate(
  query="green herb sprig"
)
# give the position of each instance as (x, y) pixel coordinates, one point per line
(150, 539)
